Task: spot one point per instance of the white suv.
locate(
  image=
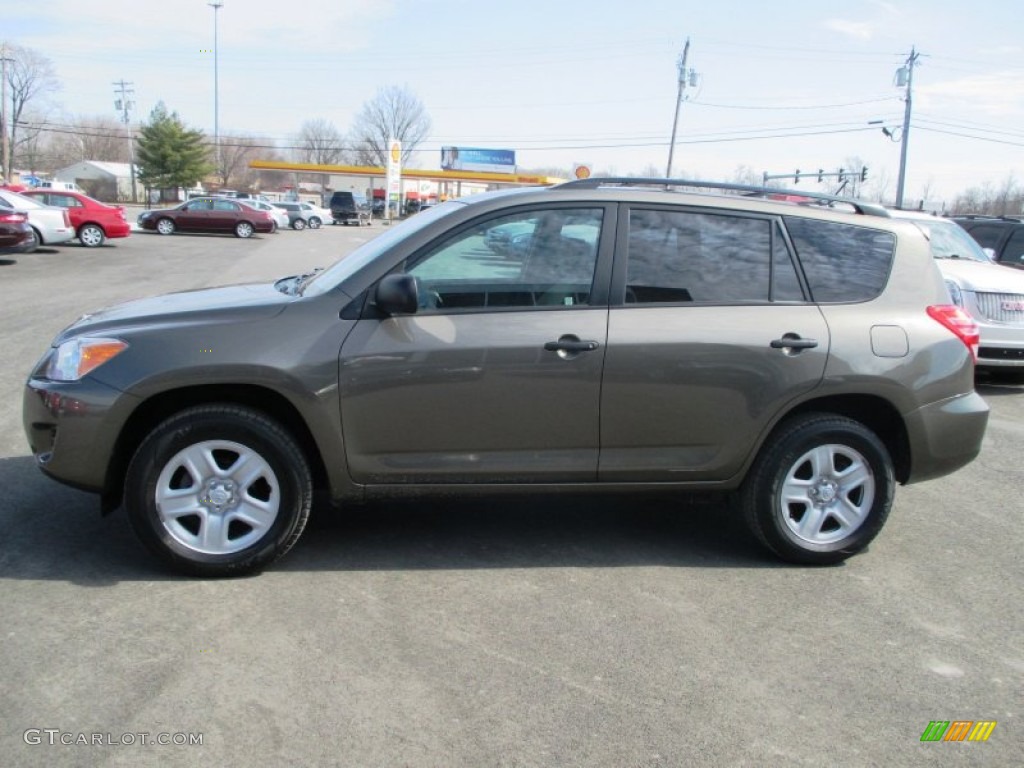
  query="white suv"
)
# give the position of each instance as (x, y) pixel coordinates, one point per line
(993, 295)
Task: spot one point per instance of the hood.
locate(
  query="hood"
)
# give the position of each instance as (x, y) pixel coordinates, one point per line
(227, 304)
(982, 277)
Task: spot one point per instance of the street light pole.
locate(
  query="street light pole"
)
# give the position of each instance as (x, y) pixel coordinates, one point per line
(905, 136)
(6, 159)
(216, 5)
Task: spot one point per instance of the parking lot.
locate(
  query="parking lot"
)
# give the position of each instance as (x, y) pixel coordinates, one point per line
(505, 632)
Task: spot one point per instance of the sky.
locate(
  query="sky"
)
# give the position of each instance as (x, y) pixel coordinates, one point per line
(780, 85)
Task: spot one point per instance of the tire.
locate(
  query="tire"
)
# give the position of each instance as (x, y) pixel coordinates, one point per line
(299, 224)
(243, 229)
(37, 240)
(91, 235)
(839, 479)
(218, 490)
(165, 227)
(315, 223)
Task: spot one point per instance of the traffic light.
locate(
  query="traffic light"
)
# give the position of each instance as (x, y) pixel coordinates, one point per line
(864, 173)
(796, 176)
(820, 171)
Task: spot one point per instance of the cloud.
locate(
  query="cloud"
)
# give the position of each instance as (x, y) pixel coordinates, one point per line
(858, 30)
(993, 93)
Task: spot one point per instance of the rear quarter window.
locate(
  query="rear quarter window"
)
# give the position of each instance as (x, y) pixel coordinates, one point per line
(842, 262)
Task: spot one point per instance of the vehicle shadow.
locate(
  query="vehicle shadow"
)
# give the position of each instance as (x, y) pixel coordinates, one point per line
(7, 262)
(51, 532)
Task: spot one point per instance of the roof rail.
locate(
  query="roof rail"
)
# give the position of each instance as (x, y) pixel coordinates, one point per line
(860, 206)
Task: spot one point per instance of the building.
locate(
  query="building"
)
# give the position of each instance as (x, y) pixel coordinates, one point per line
(110, 182)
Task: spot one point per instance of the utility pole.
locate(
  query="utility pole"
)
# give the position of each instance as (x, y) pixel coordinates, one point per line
(124, 105)
(679, 101)
(905, 76)
(3, 115)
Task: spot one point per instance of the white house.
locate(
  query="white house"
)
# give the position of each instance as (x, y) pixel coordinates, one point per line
(110, 182)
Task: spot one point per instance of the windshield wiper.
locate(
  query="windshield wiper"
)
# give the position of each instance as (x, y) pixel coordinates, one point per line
(304, 279)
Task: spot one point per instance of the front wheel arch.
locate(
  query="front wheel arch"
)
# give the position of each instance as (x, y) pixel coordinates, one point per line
(164, 405)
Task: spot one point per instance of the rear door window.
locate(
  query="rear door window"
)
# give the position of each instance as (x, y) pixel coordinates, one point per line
(706, 258)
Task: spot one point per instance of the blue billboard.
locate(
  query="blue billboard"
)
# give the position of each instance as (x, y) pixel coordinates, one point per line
(480, 160)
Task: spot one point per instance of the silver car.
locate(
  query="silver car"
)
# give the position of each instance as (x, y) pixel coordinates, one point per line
(992, 294)
(279, 216)
(50, 224)
(800, 360)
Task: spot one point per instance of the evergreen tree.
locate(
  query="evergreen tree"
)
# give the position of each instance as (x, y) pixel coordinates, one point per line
(170, 154)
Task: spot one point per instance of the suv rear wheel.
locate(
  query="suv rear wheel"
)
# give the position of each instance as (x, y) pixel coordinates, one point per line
(218, 490)
(820, 491)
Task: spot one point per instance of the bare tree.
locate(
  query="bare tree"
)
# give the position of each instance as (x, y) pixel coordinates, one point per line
(30, 80)
(236, 152)
(320, 142)
(394, 113)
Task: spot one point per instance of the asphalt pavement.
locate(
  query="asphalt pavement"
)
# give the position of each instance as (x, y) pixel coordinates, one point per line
(493, 632)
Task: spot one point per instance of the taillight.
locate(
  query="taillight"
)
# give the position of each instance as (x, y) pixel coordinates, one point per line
(960, 323)
(67, 219)
(120, 209)
(13, 217)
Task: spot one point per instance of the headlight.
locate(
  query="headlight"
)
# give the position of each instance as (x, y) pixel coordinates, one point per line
(77, 357)
(954, 293)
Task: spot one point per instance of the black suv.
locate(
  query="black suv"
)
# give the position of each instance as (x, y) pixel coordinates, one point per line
(1004, 235)
(348, 207)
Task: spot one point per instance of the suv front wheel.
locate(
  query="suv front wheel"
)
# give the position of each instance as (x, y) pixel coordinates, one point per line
(218, 490)
(820, 491)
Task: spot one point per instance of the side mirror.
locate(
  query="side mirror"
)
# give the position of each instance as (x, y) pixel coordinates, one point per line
(991, 253)
(397, 295)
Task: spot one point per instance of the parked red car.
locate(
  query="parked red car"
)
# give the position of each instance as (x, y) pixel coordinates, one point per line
(93, 221)
(208, 214)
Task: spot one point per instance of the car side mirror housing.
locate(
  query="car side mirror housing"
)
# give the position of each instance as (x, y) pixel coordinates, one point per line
(991, 253)
(397, 295)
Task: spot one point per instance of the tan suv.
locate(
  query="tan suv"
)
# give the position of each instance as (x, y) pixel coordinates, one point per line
(626, 336)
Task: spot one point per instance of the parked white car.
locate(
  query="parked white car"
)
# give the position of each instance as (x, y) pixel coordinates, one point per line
(324, 214)
(993, 295)
(50, 224)
(280, 217)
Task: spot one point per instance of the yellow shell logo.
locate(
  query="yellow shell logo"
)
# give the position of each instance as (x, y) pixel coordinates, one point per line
(582, 172)
(395, 153)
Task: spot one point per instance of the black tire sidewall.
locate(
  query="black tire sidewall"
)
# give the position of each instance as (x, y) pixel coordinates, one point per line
(271, 442)
(764, 485)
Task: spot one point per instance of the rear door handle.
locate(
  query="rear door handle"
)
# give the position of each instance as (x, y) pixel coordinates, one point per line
(792, 341)
(570, 344)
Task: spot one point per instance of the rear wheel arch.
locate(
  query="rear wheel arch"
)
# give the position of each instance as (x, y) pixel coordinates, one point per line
(156, 409)
(876, 413)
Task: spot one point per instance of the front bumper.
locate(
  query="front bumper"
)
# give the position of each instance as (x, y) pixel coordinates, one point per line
(72, 428)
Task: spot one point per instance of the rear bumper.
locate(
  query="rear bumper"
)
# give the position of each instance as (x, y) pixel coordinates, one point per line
(945, 436)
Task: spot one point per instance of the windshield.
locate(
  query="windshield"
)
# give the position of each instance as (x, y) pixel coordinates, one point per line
(366, 253)
(950, 241)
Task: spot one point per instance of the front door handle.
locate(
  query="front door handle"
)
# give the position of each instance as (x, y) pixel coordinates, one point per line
(792, 341)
